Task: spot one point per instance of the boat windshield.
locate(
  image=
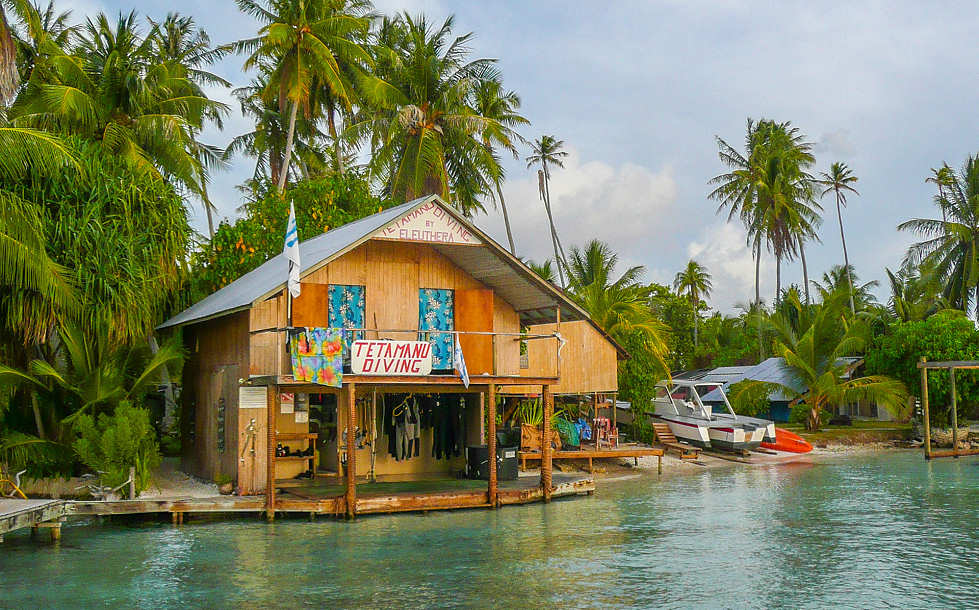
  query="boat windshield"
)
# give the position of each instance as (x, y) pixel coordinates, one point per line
(714, 393)
(687, 397)
(662, 394)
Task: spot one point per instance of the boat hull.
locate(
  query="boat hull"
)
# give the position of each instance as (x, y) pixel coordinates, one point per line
(788, 441)
(687, 431)
(736, 439)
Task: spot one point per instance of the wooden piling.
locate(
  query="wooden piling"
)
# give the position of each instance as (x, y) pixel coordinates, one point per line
(132, 482)
(545, 464)
(491, 443)
(924, 405)
(272, 409)
(351, 451)
(955, 416)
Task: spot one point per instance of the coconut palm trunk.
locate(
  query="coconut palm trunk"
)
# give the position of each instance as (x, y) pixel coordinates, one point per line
(696, 320)
(288, 155)
(805, 268)
(757, 274)
(37, 416)
(506, 218)
(550, 221)
(778, 276)
(846, 258)
(331, 121)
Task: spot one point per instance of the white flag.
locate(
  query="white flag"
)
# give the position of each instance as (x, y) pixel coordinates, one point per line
(459, 362)
(291, 250)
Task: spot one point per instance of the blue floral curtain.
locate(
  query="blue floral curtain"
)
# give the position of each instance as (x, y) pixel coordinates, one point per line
(437, 312)
(347, 311)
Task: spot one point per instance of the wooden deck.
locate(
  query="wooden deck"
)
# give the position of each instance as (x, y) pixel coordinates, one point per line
(332, 502)
(590, 453)
(16, 514)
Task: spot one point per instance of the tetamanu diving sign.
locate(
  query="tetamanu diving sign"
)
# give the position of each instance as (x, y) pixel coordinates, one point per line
(391, 358)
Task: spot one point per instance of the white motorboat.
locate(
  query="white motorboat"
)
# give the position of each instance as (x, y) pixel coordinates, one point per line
(679, 404)
(711, 393)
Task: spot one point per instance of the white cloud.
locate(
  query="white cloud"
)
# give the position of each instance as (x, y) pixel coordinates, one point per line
(722, 250)
(628, 206)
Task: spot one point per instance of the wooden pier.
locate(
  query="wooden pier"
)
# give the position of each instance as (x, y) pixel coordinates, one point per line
(17, 514)
(304, 500)
(623, 451)
(951, 367)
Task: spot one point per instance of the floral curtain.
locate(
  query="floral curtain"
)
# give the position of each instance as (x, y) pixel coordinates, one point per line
(436, 312)
(347, 311)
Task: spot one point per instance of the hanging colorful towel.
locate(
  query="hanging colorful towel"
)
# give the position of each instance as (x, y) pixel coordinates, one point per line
(317, 356)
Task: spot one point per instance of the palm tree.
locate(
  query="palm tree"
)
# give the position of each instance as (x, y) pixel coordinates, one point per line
(549, 151)
(813, 348)
(544, 270)
(305, 44)
(494, 102)
(940, 177)
(841, 279)
(595, 265)
(915, 293)
(95, 370)
(694, 280)
(266, 142)
(839, 180)
(114, 91)
(951, 246)
(421, 123)
(43, 32)
(618, 305)
(769, 189)
(8, 60)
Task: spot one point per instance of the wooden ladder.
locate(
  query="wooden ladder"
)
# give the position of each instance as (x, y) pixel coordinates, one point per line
(666, 437)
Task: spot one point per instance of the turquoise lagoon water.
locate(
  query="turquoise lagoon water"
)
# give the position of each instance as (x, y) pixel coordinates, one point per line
(887, 530)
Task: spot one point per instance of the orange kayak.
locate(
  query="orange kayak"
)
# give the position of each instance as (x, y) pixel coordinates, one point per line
(788, 441)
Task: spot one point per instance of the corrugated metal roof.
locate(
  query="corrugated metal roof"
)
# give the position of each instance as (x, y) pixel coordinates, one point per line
(772, 370)
(533, 298)
(270, 276)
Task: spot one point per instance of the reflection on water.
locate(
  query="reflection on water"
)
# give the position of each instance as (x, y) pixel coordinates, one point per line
(885, 530)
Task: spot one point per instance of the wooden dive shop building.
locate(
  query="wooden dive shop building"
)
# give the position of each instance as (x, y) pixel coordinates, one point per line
(418, 272)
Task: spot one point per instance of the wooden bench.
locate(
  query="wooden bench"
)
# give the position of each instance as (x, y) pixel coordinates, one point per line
(666, 438)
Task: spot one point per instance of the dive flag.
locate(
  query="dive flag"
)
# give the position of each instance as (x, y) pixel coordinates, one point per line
(291, 250)
(459, 362)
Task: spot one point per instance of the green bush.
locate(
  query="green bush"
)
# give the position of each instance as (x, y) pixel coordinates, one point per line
(799, 413)
(750, 398)
(947, 335)
(115, 443)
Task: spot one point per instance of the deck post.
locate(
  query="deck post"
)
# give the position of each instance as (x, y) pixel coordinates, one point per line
(615, 398)
(491, 443)
(351, 451)
(924, 405)
(545, 446)
(955, 416)
(273, 409)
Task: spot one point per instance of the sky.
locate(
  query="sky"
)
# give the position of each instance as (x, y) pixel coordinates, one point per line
(639, 91)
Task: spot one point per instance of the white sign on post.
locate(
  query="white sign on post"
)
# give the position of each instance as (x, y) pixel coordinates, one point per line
(377, 357)
(252, 397)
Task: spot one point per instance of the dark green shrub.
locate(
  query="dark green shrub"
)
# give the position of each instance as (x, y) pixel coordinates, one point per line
(117, 442)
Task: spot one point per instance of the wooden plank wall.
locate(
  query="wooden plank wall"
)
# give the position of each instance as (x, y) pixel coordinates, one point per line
(218, 354)
(392, 273)
(588, 361)
(268, 349)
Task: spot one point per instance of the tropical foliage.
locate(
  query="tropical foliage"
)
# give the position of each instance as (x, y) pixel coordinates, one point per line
(946, 335)
(321, 204)
(951, 245)
(694, 282)
(814, 345)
